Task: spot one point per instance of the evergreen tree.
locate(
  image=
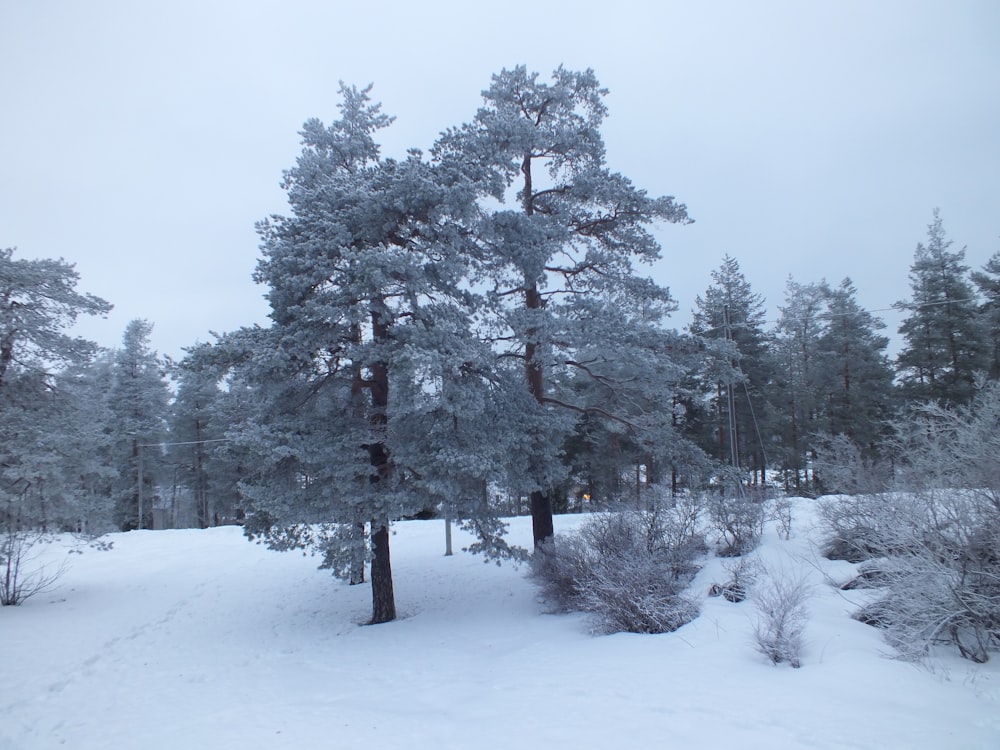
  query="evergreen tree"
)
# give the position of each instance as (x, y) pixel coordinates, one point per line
(370, 333)
(139, 405)
(944, 343)
(835, 379)
(197, 428)
(38, 303)
(82, 446)
(858, 379)
(558, 261)
(732, 311)
(988, 283)
(797, 390)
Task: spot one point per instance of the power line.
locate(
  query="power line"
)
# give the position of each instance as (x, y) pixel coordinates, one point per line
(186, 442)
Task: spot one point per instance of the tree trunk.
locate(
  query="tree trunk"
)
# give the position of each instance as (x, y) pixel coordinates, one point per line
(383, 599)
(358, 554)
(541, 500)
(542, 527)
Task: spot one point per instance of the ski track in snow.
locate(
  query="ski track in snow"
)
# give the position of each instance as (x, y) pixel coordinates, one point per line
(199, 639)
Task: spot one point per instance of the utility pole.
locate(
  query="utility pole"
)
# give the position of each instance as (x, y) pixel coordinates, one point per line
(734, 454)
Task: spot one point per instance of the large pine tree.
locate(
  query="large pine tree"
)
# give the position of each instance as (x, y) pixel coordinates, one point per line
(370, 331)
(796, 392)
(857, 378)
(944, 342)
(39, 444)
(988, 282)
(557, 258)
(738, 389)
(139, 400)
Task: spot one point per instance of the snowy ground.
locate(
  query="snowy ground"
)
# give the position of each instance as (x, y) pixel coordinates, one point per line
(199, 639)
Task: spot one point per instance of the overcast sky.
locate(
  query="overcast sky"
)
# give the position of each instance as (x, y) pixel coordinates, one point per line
(142, 141)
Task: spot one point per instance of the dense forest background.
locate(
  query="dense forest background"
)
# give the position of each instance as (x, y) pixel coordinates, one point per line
(817, 381)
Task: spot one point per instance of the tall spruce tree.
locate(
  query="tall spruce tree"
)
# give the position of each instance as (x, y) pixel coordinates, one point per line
(732, 311)
(139, 403)
(988, 282)
(558, 260)
(944, 342)
(198, 424)
(86, 441)
(797, 392)
(834, 378)
(39, 302)
(858, 393)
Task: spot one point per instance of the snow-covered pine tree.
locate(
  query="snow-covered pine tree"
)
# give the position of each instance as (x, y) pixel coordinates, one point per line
(944, 342)
(730, 309)
(557, 261)
(796, 389)
(370, 334)
(988, 282)
(81, 445)
(859, 396)
(198, 424)
(139, 403)
(38, 304)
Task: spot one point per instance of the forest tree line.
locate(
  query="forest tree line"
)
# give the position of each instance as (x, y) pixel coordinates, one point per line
(468, 333)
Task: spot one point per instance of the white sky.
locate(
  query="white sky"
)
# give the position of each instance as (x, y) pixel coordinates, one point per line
(142, 141)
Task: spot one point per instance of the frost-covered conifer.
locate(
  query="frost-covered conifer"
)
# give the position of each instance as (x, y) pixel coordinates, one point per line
(731, 310)
(987, 281)
(139, 399)
(42, 445)
(557, 261)
(799, 371)
(945, 345)
(858, 395)
(369, 381)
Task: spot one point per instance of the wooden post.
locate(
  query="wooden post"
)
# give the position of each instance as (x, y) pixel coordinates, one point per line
(447, 531)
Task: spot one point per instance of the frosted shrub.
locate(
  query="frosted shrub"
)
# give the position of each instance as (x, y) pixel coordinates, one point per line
(781, 618)
(781, 511)
(934, 548)
(21, 577)
(629, 569)
(862, 527)
(940, 581)
(840, 467)
(738, 520)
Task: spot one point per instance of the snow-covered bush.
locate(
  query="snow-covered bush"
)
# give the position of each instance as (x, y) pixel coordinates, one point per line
(781, 511)
(934, 547)
(738, 520)
(629, 569)
(939, 576)
(861, 527)
(781, 618)
(21, 575)
(841, 466)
